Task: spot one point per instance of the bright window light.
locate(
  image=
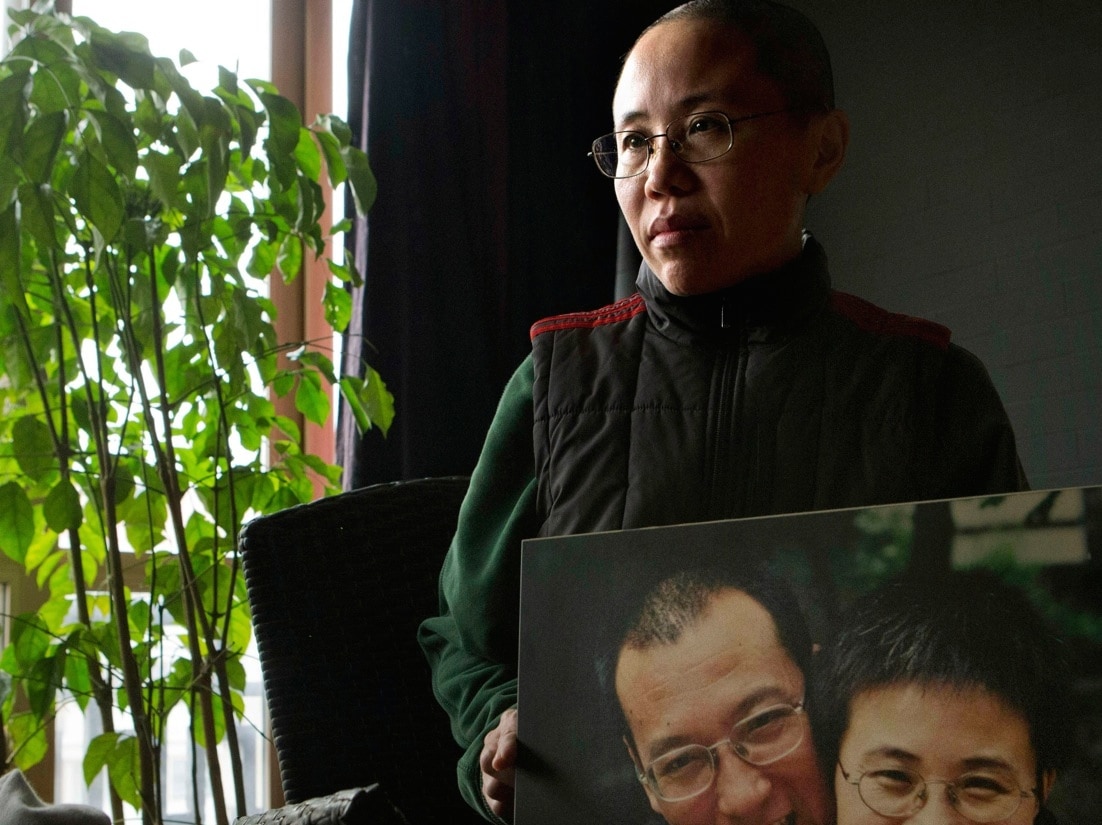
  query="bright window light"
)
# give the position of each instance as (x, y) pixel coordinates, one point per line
(235, 34)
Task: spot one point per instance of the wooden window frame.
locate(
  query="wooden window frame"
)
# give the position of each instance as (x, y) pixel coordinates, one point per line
(302, 60)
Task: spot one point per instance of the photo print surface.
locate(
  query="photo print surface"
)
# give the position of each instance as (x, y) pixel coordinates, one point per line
(579, 594)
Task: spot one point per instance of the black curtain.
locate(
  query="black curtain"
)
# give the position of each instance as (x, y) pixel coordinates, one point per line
(476, 117)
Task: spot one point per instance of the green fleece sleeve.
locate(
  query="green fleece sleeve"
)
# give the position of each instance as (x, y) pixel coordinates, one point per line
(472, 645)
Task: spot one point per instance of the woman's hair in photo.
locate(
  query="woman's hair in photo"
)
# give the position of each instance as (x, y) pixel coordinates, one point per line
(968, 629)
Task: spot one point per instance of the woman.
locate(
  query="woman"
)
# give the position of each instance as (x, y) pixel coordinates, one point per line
(944, 702)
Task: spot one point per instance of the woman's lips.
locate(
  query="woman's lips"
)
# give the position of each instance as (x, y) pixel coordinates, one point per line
(674, 230)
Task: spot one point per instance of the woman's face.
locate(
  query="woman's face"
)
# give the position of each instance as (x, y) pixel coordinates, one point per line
(900, 735)
(706, 226)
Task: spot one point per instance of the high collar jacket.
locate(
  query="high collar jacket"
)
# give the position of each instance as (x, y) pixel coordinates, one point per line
(777, 395)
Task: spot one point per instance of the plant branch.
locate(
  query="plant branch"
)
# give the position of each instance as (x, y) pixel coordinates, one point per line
(115, 583)
(165, 462)
(59, 435)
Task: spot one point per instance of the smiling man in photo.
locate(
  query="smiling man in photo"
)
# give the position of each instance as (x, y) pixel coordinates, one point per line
(711, 682)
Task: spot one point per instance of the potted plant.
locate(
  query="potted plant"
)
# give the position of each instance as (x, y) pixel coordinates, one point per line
(138, 361)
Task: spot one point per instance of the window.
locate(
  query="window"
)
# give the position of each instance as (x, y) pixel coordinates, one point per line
(240, 40)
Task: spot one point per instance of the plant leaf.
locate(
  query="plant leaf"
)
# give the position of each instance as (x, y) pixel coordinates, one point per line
(361, 179)
(40, 145)
(61, 508)
(164, 176)
(371, 403)
(124, 769)
(350, 387)
(334, 163)
(97, 755)
(338, 306)
(118, 142)
(125, 54)
(378, 400)
(33, 446)
(307, 154)
(311, 399)
(78, 680)
(16, 521)
(97, 195)
(289, 258)
(318, 360)
(37, 214)
(27, 730)
(284, 123)
(12, 298)
(13, 113)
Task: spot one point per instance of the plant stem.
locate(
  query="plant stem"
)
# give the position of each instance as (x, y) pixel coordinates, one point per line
(219, 661)
(116, 586)
(165, 462)
(59, 434)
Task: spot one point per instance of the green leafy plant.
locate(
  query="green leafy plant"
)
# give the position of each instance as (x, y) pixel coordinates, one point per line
(138, 362)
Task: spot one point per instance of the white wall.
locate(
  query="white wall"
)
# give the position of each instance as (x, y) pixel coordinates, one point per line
(972, 195)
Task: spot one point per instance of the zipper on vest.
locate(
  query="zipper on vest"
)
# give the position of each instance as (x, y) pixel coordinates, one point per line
(730, 480)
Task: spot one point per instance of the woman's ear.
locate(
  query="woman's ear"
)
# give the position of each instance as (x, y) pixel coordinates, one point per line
(830, 133)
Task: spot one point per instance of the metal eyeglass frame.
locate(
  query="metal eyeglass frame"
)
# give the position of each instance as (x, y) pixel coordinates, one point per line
(920, 795)
(675, 146)
(647, 777)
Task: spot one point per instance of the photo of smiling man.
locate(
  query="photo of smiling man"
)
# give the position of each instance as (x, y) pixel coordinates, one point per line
(710, 678)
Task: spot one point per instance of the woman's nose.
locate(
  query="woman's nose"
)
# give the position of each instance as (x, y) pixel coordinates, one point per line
(666, 173)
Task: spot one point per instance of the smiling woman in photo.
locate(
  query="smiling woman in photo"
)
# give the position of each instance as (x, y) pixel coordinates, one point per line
(944, 704)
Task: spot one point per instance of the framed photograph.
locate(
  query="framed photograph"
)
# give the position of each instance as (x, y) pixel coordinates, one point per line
(579, 594)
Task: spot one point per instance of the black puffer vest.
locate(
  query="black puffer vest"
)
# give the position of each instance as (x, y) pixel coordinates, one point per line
(777, 395)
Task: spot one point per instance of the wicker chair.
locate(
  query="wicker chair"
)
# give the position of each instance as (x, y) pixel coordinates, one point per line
(337, 588)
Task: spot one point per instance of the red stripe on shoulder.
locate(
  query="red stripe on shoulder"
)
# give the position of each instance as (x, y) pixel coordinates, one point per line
(872, 318)
(622, 310)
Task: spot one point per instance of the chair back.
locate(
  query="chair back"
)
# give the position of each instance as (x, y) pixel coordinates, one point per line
(337, 589)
